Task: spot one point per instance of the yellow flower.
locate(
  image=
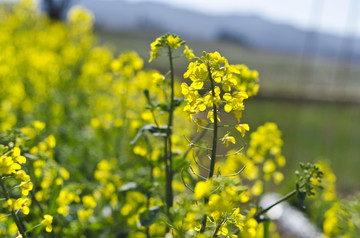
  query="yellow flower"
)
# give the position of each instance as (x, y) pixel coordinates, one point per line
(84, 214)
(280, 161)
(234, 103)
(200, 123)
(202, 189)
(16, 155)
(227, 138)
(16, 151)
(155, 47)
(7, 165)
(158, 78)
(23, 204)
(89, 201)
(38, 125)
(223, 231)
(257, 188)
(216, 58)
(330, 226)
(242, 128)
(26, 187)
(64, 173)
(20, 174)
(51, 141)
(48, 219)
(153, 55)
(174, 42)
(80, 15)
(278, 177)
(140, 150)
(269, 166)
(210, 116)
(188, 53)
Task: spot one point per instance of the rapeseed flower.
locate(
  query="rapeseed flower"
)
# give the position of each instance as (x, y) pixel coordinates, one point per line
(47, 222)
(242, 128)
(202, 189)
(174, 42)
(227, 138)
(188, 53)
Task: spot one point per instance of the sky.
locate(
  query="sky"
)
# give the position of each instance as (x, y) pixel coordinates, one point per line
(341, 17)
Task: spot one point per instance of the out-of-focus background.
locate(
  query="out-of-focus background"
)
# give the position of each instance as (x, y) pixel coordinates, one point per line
(307, 54)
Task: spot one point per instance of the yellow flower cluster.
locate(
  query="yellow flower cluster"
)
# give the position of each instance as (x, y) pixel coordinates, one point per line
(17, 204)
(15, 182)
(110, 181)
(259, 162)
(328, 182)
(47, 176)
(342, 219)
(127, 64)
(64, 200)
(89, 203)
(225, 89)
(169, 41)
(265, 149)
(224, 195)
(10, 165)
(10, 162)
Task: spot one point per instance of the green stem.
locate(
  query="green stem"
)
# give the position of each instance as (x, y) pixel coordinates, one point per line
(215, 131)
(216, 231)
(148, 193)
(287, 196)
(168, 142)
(15, 217)
(32, 228)
(147, 210)
(214, 145)
(204, 219)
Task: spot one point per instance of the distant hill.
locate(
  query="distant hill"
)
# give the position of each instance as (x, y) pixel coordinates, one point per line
(250, 30)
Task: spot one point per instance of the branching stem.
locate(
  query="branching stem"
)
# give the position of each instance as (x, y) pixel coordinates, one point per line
(287, 196)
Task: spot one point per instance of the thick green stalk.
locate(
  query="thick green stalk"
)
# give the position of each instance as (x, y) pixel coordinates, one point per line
(215, 131)
(148, 193)
(168, 142)
(15, 217)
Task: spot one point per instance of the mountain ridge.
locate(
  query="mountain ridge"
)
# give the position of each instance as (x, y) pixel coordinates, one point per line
(251, 30)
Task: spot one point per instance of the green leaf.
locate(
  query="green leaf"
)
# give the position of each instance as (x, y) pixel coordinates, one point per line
(177, 102)
(266, 228)
(55, 194)
(163, 107)
(154, 130)
(149, 217)
(3, 149)
(301, 196)
(95, 226)
(178, 164)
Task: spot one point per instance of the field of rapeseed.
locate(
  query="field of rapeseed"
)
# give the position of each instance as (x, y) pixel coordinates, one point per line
(92, 145)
